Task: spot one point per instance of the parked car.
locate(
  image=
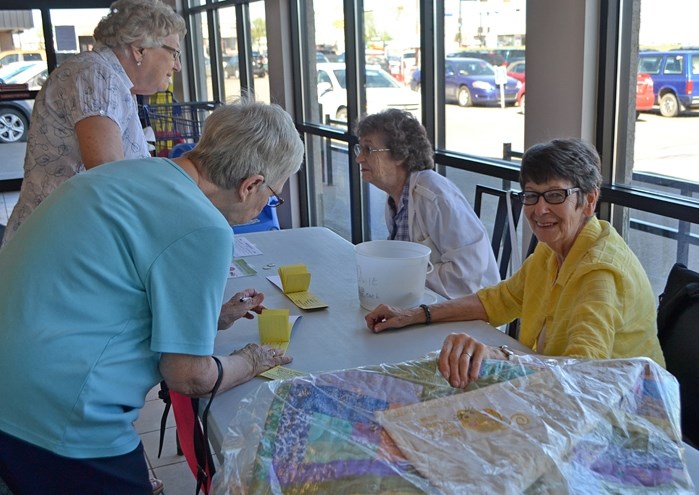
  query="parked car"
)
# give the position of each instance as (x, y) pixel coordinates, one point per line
(511, 54)
(492, 57)
(14, 120)
(675, 77)
(644, 94)
(645, 97)
(259, 65)
(516, 69)
(10, 70)
(382, 91)
(34, 76)
(472, 81)
(11, 56)
(521, 97)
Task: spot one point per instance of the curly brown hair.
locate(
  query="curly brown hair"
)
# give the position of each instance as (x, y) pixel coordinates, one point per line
(404, 135)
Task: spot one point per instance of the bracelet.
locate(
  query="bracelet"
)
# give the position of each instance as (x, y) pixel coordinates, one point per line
(507, 352)
(428, 313)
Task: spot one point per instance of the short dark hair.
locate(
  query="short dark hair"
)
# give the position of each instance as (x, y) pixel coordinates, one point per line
(404, 134)
(570, 159)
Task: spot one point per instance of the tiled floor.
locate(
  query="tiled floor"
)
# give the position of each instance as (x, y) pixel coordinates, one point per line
(170, 468)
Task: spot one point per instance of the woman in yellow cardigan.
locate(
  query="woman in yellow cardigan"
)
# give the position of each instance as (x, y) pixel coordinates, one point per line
(582, 293)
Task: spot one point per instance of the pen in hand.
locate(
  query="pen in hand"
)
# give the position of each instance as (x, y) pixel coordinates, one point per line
(245, 299)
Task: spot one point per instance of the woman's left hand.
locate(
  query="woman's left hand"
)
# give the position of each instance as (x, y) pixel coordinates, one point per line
(461, 357)
(242, 305)
(262, 357)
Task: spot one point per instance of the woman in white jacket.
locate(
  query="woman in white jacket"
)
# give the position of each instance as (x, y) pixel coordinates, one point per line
(423, 206)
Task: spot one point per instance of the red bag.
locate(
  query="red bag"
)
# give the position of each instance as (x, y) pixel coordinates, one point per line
(192, 431)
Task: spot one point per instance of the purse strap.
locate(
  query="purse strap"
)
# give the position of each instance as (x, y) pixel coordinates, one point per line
(205, 463)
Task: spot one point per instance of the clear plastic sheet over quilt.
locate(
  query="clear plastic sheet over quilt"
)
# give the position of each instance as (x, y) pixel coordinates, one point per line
(526, 426)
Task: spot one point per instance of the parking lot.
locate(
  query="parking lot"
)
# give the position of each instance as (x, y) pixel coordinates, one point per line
(665, 146)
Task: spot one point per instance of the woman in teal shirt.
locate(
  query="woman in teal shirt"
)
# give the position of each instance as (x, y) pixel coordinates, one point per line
(116, 282)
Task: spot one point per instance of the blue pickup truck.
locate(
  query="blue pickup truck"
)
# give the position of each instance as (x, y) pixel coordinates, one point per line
(675, 75)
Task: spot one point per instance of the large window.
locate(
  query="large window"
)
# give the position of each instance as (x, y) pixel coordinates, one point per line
(661, 153)
(230, 56)
(28, 61)
(476, 109)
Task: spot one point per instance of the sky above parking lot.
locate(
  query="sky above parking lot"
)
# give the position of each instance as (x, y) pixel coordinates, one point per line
(669, 22)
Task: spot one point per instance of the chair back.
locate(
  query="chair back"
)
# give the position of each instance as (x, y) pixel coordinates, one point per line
(266, 220)
(500, 239)
(678, 333)
(180, 149)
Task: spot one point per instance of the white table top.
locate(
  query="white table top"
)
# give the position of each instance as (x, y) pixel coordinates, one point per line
(336, 337)
(327, 339)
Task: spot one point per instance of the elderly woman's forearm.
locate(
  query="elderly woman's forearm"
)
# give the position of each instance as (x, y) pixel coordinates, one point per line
(195, 376)
(465, 308)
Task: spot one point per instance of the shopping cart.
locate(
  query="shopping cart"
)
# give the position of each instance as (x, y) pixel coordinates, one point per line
(175, 123)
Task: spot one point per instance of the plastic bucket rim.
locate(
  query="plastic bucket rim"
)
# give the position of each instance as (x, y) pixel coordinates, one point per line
(425, 251)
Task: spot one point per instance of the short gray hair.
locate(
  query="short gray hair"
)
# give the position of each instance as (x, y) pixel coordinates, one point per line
(247, 138)
(570, 159)
(405, 137)
(147, 22)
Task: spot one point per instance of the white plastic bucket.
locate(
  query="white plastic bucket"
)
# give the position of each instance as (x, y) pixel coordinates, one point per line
(391, 272)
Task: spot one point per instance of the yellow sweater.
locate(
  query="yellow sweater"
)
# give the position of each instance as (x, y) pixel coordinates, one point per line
(600, 306)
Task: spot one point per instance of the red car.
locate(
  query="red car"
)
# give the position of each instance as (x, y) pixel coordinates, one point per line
(516, 69)
(644, 94)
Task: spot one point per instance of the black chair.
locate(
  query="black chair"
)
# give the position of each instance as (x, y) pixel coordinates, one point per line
(500, 235)
(678, 314)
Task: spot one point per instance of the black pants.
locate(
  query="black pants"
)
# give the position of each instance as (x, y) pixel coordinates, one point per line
(28, 470)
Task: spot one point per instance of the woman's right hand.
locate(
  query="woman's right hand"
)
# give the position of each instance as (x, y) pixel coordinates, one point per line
(461, 357)
(241, 305)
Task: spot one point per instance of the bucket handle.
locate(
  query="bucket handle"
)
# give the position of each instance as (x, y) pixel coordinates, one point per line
(430, 267)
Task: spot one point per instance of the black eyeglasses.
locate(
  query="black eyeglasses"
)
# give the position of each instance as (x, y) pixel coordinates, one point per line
(552, 197)
(367, 150)
(176, 54)
(275, 201)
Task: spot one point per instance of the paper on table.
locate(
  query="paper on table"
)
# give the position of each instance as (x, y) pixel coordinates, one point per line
(282, 373)
(275, 327)
(295, 278)
(294, 281)
(243, 247)
(240, 268)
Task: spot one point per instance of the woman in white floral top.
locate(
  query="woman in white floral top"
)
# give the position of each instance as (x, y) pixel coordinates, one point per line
(86, 113)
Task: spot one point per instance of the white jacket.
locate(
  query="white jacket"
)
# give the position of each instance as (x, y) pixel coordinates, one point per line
(441, 218)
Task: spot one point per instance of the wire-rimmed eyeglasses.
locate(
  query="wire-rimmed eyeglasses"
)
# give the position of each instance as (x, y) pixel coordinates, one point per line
(275, 201)
(367, 150)
(176, 54)
(552, 196)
